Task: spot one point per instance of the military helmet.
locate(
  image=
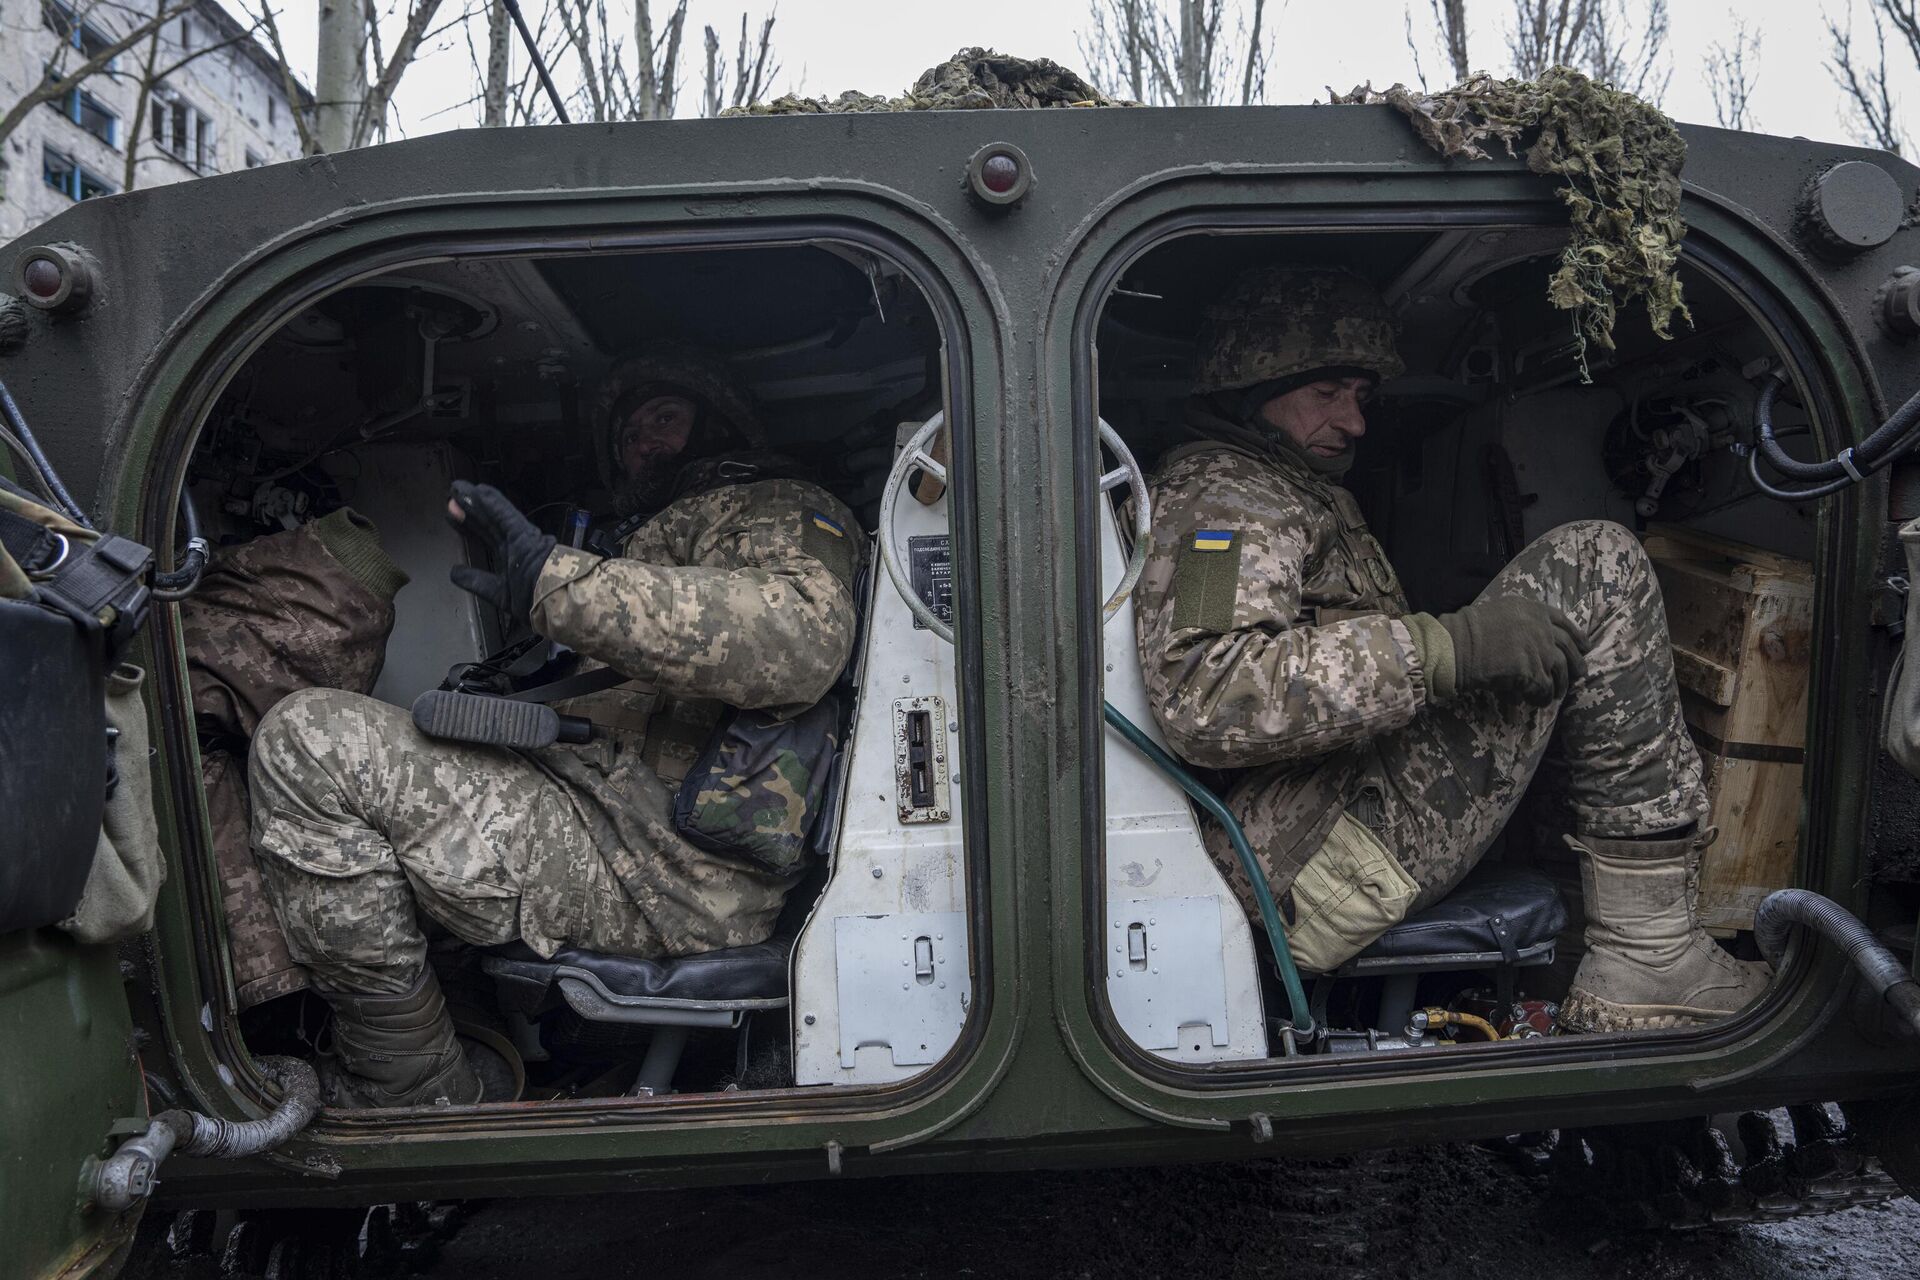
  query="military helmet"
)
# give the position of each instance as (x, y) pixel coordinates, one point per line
(1276, 322)
(704, 375)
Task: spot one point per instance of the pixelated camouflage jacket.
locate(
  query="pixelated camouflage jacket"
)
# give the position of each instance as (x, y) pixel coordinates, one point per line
(1267, 621)
(734, 596)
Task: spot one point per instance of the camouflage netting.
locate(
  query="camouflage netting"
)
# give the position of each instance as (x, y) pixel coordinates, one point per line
(1618, 160)
(971, 79)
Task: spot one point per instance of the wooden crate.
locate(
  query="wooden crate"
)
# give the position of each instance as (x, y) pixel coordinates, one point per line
(1741, 621)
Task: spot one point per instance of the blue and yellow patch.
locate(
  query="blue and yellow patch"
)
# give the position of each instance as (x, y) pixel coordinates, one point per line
(831, 526)
(1213, 540)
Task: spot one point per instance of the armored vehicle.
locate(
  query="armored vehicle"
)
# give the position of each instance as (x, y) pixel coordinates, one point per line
(1013, 950)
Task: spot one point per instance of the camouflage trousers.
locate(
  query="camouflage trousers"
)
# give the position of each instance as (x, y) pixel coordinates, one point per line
(359, 819)
(1437, 792)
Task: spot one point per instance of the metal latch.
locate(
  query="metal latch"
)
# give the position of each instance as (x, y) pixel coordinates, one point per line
(923, 960)
(1137, 945)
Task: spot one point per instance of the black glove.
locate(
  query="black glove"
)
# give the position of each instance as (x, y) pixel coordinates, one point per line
(514, 542)
(1517, 648)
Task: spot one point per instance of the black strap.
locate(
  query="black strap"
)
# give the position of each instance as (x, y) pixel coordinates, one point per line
(572, 686)
(33, 546)
(1503, 936)
(83, 579)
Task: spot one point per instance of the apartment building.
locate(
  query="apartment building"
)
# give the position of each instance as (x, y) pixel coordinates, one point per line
(217, 102)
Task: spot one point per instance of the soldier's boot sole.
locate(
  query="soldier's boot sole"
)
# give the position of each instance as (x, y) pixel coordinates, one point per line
(482, 718)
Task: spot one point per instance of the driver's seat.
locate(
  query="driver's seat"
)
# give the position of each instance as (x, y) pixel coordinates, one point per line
(714, 989)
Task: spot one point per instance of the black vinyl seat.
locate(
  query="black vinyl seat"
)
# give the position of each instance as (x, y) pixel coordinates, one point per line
(1498, 914)
(716, 990)
(753, 977)
(1501, 919)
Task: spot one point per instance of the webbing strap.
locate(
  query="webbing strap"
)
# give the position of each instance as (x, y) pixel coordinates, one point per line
(573, 686)
(33, 546)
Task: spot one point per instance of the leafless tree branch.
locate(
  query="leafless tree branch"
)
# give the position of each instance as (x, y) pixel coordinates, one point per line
(1732, 71)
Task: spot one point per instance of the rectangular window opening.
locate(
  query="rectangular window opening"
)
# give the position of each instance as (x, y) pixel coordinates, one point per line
(576, 386)
(1386, 497)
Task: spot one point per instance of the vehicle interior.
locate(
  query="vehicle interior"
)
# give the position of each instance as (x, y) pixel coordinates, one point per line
(1489, 440)
(380, 394)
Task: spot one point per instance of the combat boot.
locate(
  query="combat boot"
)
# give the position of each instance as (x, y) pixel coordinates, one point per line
(396, 1051)
(1649, 965)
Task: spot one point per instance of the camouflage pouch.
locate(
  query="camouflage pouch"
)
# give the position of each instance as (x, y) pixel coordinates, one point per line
(760, 785)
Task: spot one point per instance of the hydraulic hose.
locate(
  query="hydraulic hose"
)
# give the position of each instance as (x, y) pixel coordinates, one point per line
(1781, 910)
(17, 423)
(1301, 1018)
(127, 1176)
(179, 583)
(1853, 463)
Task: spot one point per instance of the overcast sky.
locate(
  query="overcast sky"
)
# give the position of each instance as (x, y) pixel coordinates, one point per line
(880, 46)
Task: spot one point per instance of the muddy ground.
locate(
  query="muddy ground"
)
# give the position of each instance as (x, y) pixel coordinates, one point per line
(1428, 1212)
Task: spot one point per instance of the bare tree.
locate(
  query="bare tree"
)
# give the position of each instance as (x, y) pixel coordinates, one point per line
(1864, 79)
(1732, 71)
(62, 79)
(1603, 38)
(151, 74)
(1449, 32)
(309, 143)
(495, 86)
(622, 75)
(356, 76)
(1178, 52)
(752, 70)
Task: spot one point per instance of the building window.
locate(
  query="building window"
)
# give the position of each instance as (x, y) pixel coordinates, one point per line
(59, 19)
(182, 131)
(273, 109)
(186, 34)
(254, 159)
(87, 111)
(72, 179)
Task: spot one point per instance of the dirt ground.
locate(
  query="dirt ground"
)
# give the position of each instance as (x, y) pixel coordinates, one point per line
(1428, 1212)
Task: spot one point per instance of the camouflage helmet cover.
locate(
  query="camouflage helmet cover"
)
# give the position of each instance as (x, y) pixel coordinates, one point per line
(1275, 322)
(703, 374)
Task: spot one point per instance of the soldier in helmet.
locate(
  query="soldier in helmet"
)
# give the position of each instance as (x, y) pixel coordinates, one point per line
(1377, 752)
(737, 592)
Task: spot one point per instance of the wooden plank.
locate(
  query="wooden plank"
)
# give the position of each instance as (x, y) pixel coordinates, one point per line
(1756, 805)
(1700, 674)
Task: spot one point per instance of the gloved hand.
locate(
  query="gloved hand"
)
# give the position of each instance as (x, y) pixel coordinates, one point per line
(1517, 648)
(516, 544)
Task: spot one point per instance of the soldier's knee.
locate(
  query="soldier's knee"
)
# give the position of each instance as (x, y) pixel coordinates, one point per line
(304, 739)
(1601, 542)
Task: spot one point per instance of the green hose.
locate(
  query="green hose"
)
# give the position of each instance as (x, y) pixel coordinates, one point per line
(1256, 876)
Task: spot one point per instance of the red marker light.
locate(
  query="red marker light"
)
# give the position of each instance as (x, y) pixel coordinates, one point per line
(41, 278)
(1000, 173)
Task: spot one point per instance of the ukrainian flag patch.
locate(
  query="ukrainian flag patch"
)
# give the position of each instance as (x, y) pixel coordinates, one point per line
(831, 526)
(1213, 540)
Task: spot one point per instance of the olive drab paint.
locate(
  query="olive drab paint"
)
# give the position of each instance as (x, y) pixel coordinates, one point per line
(1038, 1075)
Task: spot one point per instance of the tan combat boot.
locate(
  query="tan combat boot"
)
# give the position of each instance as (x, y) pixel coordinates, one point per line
(396, 1051)
(1649, 965)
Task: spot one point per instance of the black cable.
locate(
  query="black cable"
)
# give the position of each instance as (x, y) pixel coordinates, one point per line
(1876, 451)
(179, 584)
(49, 478)
(539, 63)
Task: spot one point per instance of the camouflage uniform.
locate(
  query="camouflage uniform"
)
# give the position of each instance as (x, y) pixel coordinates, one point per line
(740, 596)
(1271, 632)
(307, 607)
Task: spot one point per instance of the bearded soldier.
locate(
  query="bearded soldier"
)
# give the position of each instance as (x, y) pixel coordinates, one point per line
(738, 593)
(1377, 751)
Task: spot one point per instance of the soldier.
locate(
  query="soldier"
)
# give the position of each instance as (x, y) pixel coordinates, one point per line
(740, 592)
(1378, 751)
